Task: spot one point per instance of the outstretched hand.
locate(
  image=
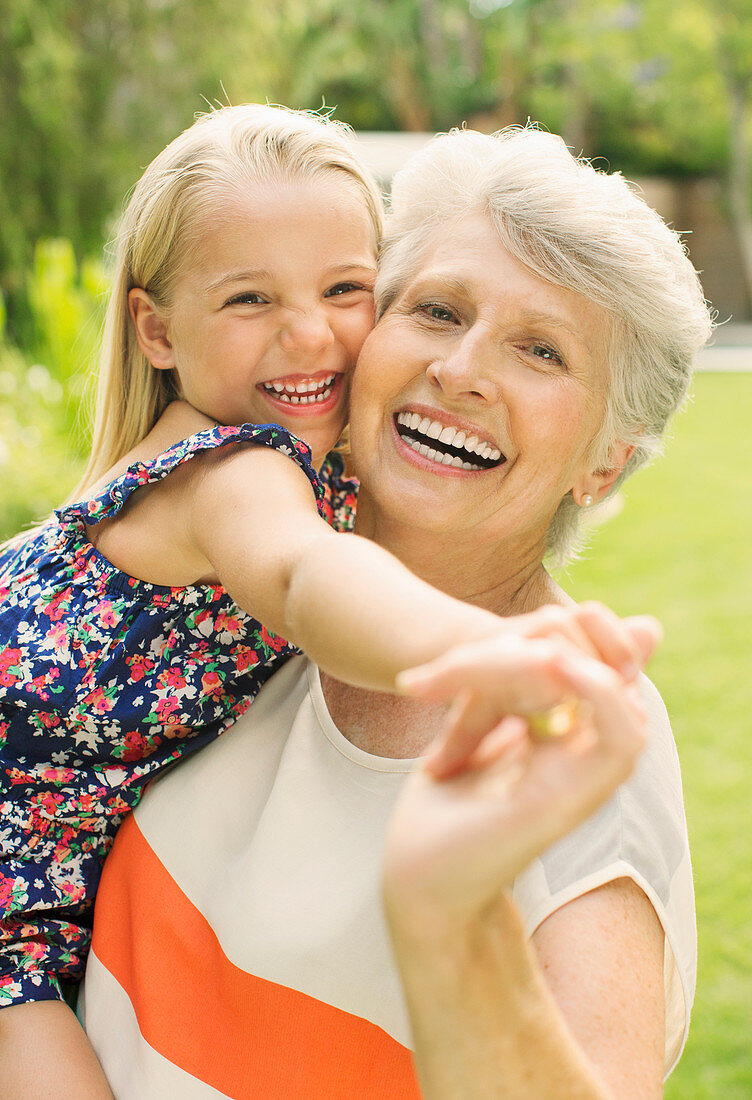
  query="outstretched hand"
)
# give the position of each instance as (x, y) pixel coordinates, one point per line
(523, 671)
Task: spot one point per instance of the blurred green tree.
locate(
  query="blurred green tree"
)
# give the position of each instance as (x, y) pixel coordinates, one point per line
(91, 89)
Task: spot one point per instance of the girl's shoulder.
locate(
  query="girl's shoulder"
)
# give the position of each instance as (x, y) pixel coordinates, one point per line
(107, 499)
(59, 557)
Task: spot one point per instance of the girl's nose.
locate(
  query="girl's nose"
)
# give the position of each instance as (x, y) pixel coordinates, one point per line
(307, 332)
(466, 369)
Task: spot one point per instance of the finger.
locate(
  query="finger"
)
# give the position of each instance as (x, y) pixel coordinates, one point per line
(441, 680)
(647, 633)
(625, 644)
(493, 685)
(507, 740)
(613, 640)
(617, 715)
(501, 738)
(468, 721)
(559, 623)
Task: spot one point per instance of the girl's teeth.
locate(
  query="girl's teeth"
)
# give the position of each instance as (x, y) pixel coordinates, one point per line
(302, 393)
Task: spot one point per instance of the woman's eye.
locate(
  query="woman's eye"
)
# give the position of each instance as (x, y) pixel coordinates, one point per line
(543, 351)
(248, 297)
(436, 312)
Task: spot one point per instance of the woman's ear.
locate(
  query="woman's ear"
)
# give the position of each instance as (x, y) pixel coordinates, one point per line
(151, 330)
(593, 487)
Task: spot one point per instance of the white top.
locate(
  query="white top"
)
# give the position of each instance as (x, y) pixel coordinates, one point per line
(239, 943)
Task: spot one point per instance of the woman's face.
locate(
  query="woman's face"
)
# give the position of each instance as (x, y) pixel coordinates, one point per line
(507, 370)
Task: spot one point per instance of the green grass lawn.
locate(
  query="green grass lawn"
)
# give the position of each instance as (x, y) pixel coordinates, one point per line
(682, 549)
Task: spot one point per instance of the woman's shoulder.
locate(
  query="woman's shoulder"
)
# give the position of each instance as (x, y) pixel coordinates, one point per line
(642, 825)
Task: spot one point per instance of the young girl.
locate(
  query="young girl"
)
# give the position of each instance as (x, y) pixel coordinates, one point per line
(131, 621)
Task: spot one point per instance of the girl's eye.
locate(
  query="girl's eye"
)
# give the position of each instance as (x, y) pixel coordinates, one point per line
(343, 288)
(248, 297)
(437, 312)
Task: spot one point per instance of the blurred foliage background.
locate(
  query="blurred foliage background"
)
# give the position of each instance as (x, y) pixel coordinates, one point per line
(90, 90)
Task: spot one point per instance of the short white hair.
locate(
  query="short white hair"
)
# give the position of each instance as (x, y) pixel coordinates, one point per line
(576, 227)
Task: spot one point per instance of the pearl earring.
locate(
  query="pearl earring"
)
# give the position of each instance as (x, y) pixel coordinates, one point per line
(586, 500)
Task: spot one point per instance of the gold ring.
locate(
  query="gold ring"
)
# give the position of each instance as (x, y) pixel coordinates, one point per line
(555, 722)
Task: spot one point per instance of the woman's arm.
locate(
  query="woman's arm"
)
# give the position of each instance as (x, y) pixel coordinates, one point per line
(619, 1024)
(576, 1015)
(579, 1012)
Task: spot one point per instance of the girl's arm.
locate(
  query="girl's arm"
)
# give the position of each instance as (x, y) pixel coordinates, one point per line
(45, 1053)
(251, 521)
(350, 605)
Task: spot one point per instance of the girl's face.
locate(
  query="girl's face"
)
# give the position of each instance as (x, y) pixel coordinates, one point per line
(478, 395)
(268, 318)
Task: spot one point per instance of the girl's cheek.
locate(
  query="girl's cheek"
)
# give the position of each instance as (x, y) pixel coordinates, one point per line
(369, 318)
(359, 340)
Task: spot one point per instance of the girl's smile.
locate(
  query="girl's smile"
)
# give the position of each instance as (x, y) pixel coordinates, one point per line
(305, 395)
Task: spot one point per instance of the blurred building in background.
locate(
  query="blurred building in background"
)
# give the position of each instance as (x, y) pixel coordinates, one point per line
(696, 207)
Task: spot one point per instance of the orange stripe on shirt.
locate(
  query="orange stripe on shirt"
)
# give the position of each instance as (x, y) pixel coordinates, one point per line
(243, 1035)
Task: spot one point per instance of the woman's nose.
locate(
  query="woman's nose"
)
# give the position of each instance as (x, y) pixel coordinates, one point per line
(307, 331)
(465, 370)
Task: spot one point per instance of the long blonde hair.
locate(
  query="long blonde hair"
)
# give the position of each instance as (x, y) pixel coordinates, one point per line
(228, 148)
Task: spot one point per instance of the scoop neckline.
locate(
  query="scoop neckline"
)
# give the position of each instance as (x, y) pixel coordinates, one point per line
(400, 765)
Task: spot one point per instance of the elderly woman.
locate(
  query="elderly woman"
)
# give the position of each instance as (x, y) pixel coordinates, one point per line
(534, 305)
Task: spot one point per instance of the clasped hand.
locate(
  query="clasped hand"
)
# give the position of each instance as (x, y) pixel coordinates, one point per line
(490, 795)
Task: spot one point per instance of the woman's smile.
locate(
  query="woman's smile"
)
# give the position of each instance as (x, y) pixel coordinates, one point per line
(445, 442)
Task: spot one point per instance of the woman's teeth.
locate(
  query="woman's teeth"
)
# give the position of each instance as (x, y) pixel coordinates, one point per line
(310, 392)
(447, 445)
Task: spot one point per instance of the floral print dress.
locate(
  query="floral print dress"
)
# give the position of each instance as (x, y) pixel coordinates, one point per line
(105, 680)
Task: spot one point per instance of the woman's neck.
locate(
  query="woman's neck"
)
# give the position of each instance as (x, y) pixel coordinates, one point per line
(507, 577)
